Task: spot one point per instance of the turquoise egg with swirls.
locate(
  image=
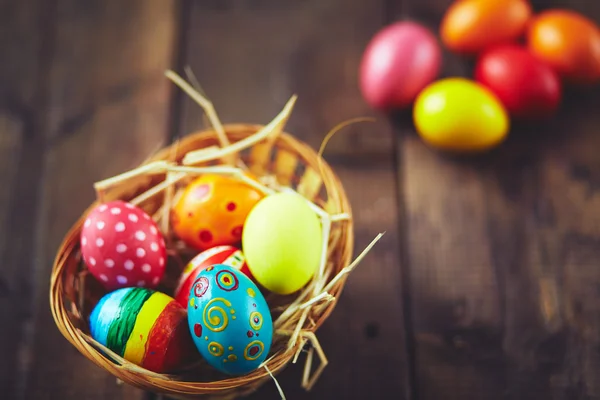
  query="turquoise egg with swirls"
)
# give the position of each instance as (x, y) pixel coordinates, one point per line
(229, 319)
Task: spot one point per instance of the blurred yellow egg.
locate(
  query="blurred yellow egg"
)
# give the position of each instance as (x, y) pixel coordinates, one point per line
(282, 242)
(460, 115)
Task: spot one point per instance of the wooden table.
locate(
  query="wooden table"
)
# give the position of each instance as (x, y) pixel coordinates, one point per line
(486, 284)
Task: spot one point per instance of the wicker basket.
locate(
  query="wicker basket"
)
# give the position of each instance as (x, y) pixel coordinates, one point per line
(290, 163)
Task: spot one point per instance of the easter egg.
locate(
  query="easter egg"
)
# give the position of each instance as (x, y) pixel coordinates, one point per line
(122, 246)
(397, 64)
(229, 320)
(282, 242)
(457, 114)
(526, 86)
(212, 210)
(569, 42)
(227, 255)
(145, 327)
(470, 26)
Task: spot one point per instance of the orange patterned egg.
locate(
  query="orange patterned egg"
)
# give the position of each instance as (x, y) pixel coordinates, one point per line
(212, 210)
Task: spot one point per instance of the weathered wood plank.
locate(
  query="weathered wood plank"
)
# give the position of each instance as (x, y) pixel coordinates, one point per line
(455, 298)
(265, 52)
(101, 106)
(454, 292)
(12, 306)
(566, 216)
(502, 254)
(21, 43)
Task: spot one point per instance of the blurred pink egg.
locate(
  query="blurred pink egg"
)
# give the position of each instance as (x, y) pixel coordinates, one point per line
(398, 63)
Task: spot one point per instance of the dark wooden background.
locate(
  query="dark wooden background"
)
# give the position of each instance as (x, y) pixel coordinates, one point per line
(486, 285)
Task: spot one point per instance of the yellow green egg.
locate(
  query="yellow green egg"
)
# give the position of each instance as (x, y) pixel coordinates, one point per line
(460, 115)
(282, 242)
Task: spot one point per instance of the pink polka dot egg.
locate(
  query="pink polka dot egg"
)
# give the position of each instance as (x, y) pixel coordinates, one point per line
(122, 246)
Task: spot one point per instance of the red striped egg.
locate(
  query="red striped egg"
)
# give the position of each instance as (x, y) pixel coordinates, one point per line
(122, 246)
(226, 255)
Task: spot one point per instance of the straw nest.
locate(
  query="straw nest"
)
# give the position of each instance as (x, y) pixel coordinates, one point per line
(281, 163)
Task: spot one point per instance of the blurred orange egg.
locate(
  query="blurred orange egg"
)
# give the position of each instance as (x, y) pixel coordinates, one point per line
(212, 210)
(471, 26)
(569, 42)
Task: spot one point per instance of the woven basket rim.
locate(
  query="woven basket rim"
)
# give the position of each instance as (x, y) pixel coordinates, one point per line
(163, 383)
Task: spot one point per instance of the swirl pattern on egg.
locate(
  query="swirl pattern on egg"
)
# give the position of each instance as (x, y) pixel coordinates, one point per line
(226, 255)
(229, 319)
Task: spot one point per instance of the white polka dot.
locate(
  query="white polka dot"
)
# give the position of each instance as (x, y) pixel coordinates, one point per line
(120, 227)
(146, 216)
(129, 265)
(104, 277)
(102, 208)
(109, 263)
(92, 261)
(133, 217)
(99, 242)
(83, 241)
(161, 262)
(88, 222)
(121, 279)
(146, 268)
(121, 248)
(140, 252)
(154, 246)
(100, 225)
(140, 235)
(115, 211)
(141, 283)
(155, 280)
(129, 205)
(153, 230)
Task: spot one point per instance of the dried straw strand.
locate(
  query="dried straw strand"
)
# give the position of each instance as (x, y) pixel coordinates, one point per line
(279, 389)
(354, 263)
(273, 128)
(164, 221)
(153, 168)
(192, 78)
(206, 121)
(153, 191)
(332, 132)
(202, 102)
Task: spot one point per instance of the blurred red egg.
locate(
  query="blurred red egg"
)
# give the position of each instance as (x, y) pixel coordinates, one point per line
(397, 64)
(527, 86)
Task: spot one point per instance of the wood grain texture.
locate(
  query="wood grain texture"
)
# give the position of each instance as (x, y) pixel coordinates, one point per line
(455, 299)
(99, 106)
(12, 308)
(502, 250)
(566, 216)
(277, 49)
(22, 41)
(22, 46)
